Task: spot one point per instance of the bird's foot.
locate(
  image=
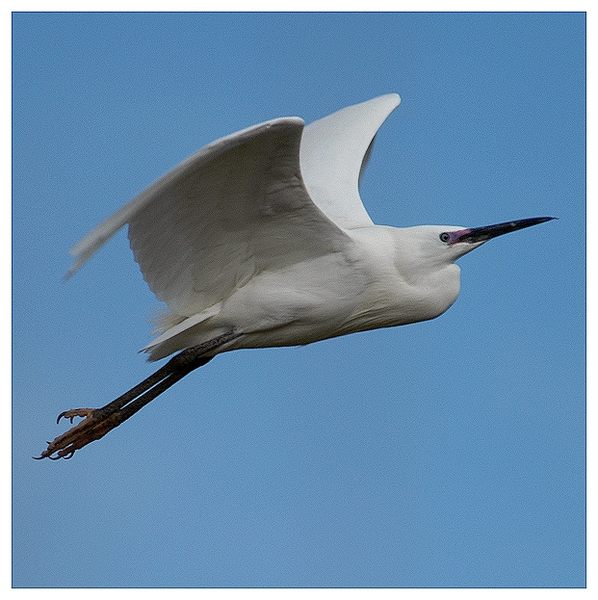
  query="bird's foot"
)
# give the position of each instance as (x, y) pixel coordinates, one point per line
(97, 422)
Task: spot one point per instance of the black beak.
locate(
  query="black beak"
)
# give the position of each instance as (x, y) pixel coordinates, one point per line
(475, 235)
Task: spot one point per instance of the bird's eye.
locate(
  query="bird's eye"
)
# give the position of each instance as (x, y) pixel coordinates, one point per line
(444, 237)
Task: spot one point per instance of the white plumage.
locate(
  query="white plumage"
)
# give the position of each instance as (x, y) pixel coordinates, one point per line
(261, 239)
(259, 201)
(264, 233)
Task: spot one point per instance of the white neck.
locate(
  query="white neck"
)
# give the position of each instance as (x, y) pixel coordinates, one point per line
(394, 292)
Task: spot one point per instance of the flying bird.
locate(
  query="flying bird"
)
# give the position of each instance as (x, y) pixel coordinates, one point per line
(261, 239)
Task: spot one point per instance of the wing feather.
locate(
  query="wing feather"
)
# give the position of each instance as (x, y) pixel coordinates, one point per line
(236, 208)
(265, 197)
(334, 153)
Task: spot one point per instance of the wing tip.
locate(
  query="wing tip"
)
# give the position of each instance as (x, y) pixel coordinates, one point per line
(284, 122)
(393, 98)
(78, 262)
(83, 250)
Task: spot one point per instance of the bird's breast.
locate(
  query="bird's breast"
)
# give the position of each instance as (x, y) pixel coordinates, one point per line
(393, 301)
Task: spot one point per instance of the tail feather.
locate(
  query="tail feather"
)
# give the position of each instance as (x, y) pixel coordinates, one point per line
(175, 331)
(164, 320)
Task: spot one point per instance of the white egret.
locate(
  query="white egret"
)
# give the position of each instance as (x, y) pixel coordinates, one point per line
(260, 239)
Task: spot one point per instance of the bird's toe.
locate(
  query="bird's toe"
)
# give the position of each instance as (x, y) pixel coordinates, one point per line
(75, 412)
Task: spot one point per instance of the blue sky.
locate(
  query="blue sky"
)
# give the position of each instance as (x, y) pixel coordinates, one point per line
(447, 453)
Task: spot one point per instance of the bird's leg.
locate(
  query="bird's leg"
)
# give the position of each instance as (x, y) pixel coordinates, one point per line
(97, 422)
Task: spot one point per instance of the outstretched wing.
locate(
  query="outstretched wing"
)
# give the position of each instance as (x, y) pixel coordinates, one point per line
(235, 208)
(334, 152)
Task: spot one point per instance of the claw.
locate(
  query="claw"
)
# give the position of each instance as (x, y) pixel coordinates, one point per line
(63, 415)
(94, 425)
(75, 412)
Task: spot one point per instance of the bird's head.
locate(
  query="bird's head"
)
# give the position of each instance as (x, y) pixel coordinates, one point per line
(444, 244)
